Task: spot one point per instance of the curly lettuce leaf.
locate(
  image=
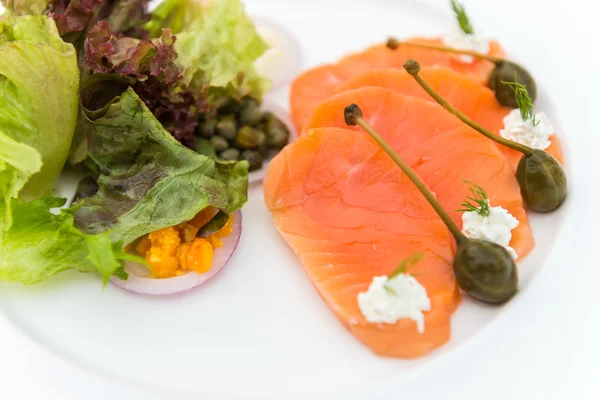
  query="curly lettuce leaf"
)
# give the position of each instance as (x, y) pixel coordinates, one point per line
(39, 244)
(217, 45)
(148, 180)
(39, 81)
(150, 67)
(139, 59)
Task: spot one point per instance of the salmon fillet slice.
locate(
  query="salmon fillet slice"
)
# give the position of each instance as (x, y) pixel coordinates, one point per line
(350, 214)
(439, 147)
(466, 94)
(316, 85)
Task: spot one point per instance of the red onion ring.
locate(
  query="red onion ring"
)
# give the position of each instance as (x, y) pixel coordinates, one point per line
(139, 281)
(284, 116)
(289, 47)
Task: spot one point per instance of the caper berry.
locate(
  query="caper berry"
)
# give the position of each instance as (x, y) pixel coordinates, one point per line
(246, 138)
(277, 138)
(254, 159)
(206, 116)
(207, 129)
(219, 143)
(542, 180)
(250, 113)
(272, 122)
(227, 127)
(505, 72)
(262, 143)
(278, 134)
(485, 271)
(227, 105)
(230, 155)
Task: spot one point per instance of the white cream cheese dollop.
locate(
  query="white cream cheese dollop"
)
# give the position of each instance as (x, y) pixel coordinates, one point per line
(496, 227)
(388, 300)
(525, 132)
(467, 41)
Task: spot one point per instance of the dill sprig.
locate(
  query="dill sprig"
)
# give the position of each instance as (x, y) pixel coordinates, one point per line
(402, 268)
(524, 100)
(461, 17)
(478, 201)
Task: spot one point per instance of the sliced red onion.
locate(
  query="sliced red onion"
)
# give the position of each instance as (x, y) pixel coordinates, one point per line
(284, 54)
(284, 116)
(139, 280)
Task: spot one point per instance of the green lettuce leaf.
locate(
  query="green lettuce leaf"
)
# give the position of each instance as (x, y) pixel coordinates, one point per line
(175, 15)
(148, 180)
(26, 7)
(217, 45)
(39, 244)
(39, 81)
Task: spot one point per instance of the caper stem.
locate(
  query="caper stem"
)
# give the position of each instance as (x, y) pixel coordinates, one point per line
(394, 43)
(412, 67)
(412, 175)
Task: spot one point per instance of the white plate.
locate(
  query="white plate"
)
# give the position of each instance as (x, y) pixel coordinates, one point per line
(260, 330)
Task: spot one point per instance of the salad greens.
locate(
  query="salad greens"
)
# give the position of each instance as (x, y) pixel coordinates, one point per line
(120, 92)
(39, 80)
(148, 180)
(220, 48)
(26, 7)
(39, 244)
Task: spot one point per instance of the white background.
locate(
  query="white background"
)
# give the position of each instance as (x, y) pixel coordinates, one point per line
(549, 346)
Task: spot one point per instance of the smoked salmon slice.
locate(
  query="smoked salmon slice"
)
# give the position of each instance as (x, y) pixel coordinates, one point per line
(439, 147)
(467, 95)
(316, 85)
(350, 214)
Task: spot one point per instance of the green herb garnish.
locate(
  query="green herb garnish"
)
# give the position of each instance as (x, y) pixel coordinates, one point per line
(461, 17)
(406, 264)
(478, 202)
(402, 268)
(390, 290)
(524, 101)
